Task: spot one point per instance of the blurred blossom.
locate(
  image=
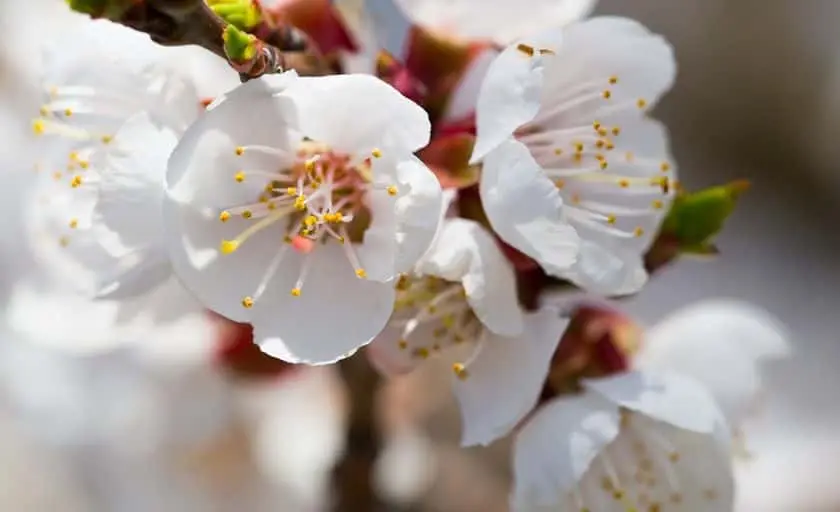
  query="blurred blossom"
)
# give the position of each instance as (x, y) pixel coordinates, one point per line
(406, 467)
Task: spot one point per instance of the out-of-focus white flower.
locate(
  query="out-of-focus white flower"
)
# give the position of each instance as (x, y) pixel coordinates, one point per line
(633, 442)
(576, 175)
(721, 344)
(294, 201)
(500, 21)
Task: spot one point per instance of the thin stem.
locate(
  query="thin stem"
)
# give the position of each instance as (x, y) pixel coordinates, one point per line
(185, 22)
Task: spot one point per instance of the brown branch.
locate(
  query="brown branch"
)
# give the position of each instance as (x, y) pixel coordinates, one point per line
(185, 22)
(353, 474)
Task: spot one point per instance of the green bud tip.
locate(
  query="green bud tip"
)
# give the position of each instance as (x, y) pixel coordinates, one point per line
(244, 14)
(239, 46)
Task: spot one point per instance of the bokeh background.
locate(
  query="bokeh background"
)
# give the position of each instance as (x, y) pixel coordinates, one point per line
(758, 97)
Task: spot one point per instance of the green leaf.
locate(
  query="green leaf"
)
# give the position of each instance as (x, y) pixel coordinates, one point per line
(111, 9)
(695, 218)
(239, 46)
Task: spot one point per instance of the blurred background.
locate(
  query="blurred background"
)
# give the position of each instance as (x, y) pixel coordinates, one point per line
(163, 428)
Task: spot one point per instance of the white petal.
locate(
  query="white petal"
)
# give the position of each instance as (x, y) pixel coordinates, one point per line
(131, 189)
(500, 21)
(464, 251)
(653, 465)
(720, 343)
(668, 397)
(505, 379)
(525, 208)
(511, 93)
(417, 212)
(605, 272)
(336, 314)
(557, 446)
(200, 184)
(355, 114)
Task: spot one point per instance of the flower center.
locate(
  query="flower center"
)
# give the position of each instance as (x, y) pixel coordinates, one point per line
(434, 314)
(318, 198)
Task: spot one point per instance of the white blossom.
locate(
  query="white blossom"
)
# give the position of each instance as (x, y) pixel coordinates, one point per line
(294, 202)
(721, 344)
(575, 174)
(632, 442)
(500, 21)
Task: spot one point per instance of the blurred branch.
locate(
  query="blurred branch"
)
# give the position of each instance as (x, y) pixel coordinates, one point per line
(353, 474)
(185, 22)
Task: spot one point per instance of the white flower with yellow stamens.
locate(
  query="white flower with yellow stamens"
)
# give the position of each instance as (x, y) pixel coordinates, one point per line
(635, 442)
(294, 203)
(575, 174)
(99, 74)
(461, 305)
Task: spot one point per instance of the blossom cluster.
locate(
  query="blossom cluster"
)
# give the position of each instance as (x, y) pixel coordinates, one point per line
(401, 205)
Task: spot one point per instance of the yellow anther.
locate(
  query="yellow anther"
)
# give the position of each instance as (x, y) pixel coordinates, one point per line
(64, 241)
(607, 94)
(263, 198)
(558, 151)
(84, 164)
(665, 167)
(291, 191)
(638, 232)
(310, 220)
(295, 292)
(300, 203)
(341, 239)
(600, 157)
(74, 223)
(613, 79)
(106, 139)
(578, 146)
(38, 127)
(239, 150)
(624, 183)
(247, 302)
(309, 165)
(247, 214)
(224, 216)
(599, 143)
(657, 204)
(449, 321)
(560, 184)
(68, 112)
(629, 156)
(575, 198)
(287, 239)
(377, 153)
(76, 182)
(616, 130)
(271, 206)
(239, 176)
(460, 371)
(641, 103)
(392, 190)
(578, 157)
(228, 246)
(360, 273)
(44, 111)
(422, 353)
(603, 164)
(611, 219)
(596, 125)
(610, 146)
(402, 344)
(603, 132)
(74, 156)
(525, 49)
